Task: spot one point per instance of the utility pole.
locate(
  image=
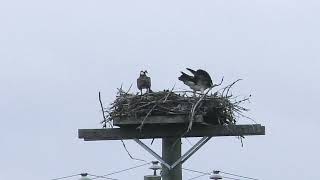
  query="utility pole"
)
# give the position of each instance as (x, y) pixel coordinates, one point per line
(169, 129)
(171, 152)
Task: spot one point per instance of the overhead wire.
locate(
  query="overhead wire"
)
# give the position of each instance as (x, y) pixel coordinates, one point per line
(103, 176)
(223, 172)
(116, 172)
(64, 177)
(230, 178)
(127, 169)
(97, 177)
(191, 170)
(197, 176)
(238, 175)
(207, 174)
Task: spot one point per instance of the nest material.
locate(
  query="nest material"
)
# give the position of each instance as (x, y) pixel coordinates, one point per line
(217, 108)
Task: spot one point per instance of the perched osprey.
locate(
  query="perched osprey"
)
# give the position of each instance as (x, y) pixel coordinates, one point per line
(144, 82)
(200, 81)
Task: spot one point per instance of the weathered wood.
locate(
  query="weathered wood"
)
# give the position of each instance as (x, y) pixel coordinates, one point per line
(172, 119)
(169, 131)
(171, 152)
(152, 177)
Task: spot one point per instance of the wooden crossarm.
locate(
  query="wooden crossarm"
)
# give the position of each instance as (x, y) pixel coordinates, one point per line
(169, 131)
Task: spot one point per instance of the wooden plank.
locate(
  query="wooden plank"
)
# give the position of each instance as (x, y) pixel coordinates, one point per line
(169, 131)
(172, 119)
(171, 152)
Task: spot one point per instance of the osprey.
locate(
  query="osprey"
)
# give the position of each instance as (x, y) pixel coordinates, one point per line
(200, 81)
(144, 82)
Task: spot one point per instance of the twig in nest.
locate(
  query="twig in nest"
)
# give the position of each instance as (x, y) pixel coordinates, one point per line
(152, 141)
(165, 99)
(197, 103)
(129, 89)
(120, 89)
(184, 91)
(241, 137)
(153, 107)
(229, 87)
(105, 120)
(142, 123)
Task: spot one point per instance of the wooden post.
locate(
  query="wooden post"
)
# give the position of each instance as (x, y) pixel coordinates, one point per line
(171, 151)
(152, 177)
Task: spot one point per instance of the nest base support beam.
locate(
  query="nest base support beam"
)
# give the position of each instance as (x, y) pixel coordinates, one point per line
(154, 154)
(171, 131)
(191, 151)
(171, 154)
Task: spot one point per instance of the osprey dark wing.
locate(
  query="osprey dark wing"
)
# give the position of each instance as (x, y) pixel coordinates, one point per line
(200, 80)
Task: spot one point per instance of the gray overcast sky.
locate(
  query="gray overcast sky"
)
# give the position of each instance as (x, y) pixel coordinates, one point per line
(56, 55)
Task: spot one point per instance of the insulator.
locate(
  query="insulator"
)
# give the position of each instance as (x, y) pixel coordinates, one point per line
(84, 176)
(155, 166)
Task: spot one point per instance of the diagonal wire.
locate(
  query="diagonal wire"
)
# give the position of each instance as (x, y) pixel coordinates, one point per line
(208, 174)
(103, 176)
(96, 177)
(65, 177)
(204, 173)
(238, 175)
(230, 178)
(116, 172)
(198, 176)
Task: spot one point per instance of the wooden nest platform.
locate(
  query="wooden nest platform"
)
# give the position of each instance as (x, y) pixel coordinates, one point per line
(174, 107)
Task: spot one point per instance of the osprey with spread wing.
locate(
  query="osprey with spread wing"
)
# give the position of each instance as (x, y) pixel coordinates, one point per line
(200, 81)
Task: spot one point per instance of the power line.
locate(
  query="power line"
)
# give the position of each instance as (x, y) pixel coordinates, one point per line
(197, 176)
(116, 172)
(238, 175)
(64, 177)
(96, 177)
(103, 176)
(205, 173)
(230, 178)
(191, 170)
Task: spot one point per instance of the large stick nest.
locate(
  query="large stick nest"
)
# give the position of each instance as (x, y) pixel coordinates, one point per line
(220, 107)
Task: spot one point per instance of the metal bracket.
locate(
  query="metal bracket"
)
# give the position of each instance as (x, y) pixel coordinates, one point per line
(154, 154)
(182, 159)
(191, 151)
